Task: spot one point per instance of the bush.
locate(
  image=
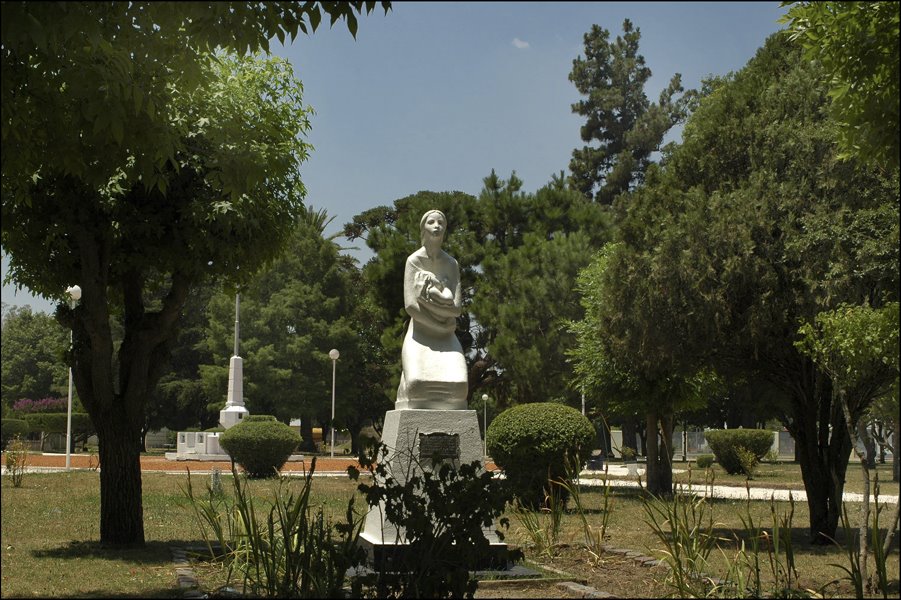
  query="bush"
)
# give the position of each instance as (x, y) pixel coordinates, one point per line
(260, 444)
(442, 515)
(56, 423)
(705, 461)
(532, 443)
(16, 458)
(10, 428)
(726, 442)
(44, 405)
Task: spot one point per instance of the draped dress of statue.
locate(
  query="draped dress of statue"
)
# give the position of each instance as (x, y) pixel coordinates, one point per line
(434, 371)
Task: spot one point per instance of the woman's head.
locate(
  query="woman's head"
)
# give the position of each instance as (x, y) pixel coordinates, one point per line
(431, 219)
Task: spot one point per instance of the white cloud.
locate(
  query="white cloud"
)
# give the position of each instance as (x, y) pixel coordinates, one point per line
(518, 43)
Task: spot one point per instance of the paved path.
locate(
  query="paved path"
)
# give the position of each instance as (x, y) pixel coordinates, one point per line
(337, 467)
(720, 491)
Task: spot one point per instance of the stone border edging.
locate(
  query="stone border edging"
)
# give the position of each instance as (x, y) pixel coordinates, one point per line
(184, 574)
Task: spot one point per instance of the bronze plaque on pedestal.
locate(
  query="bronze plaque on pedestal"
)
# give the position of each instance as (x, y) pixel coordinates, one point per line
(440, 445)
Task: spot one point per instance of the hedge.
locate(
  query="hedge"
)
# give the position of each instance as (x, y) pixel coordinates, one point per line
(725, 444)
(260, 444)
(10, 428)
(56, 423)
(531, 443)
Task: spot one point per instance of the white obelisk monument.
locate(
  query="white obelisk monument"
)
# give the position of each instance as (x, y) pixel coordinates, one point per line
(234, 411)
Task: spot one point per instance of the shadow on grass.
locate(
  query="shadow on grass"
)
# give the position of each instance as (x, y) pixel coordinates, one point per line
(172, 592)
(151, 553)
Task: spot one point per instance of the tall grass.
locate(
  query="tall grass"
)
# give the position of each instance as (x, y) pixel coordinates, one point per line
(290, 553)
(762, 566)
(543, 526)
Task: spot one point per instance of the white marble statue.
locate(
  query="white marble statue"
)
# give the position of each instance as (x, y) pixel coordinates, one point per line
(434, 370)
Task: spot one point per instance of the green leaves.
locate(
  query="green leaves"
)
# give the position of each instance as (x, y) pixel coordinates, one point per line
(619, 117)
(856, 344)
(857, 44)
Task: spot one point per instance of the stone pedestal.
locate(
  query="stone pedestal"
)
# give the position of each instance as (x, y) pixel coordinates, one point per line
(413, 438)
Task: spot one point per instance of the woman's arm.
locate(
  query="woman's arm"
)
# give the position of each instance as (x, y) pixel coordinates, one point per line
(432, 316)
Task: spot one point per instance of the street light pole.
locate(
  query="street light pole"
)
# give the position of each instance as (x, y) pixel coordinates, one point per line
(333, 354)
(74, 295)
(485, 421)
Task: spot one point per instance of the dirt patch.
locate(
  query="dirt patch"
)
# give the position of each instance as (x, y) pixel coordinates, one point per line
(618, 575)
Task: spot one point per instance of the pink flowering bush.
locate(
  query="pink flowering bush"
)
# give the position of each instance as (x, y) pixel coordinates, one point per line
(44, 405)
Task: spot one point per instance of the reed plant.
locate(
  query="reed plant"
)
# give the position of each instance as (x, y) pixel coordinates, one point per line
(594, 537)
(762, 566)
(684, 525)
(291, 552)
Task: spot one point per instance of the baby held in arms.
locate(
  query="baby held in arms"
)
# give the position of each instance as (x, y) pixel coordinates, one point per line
(435, 290)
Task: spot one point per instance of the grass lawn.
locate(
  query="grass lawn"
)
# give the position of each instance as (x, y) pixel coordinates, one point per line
(50, 538)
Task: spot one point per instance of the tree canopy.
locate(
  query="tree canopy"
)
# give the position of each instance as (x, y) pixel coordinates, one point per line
(751, 227)
(519, 254)
(33, 356)
(141, 158)
(857, 44)
(618, 116)
(91, 89)
(291, 314)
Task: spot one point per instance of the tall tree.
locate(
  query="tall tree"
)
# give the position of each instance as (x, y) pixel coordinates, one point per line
(607, 369)
(138, 163)
(858, 347)
(753, 227)
(525, 294)
(619, 117)
(180, 400)
(858, 46)
(292, 314)
(33, 356)
(519, 255)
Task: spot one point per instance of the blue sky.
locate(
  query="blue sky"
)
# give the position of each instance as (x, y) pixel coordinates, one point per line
(434, 95)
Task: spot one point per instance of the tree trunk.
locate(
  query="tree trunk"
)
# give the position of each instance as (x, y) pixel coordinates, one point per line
(604, 436)
(307, 444)
(824, 449)
(114, 386)
(869, 443)
(659, 432)
(896, 448)
(629, 437)
(865, 456)
(121, 509)
(355, 428)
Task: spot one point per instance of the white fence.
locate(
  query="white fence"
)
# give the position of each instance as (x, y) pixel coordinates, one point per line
(695, 444)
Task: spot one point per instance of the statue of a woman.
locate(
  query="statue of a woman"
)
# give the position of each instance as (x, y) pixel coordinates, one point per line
(434, 371)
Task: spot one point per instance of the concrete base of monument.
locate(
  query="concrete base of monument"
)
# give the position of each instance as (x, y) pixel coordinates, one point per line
(392, 557)
(416, 439)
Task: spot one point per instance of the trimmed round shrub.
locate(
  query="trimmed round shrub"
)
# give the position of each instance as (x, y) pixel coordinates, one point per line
(725, 444)
(260, 444)
(705, 461)
(10, 428)
(533, 443)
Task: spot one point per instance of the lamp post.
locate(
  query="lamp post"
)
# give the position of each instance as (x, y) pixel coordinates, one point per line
(333, 354)
(74, 296)
(485, 421)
